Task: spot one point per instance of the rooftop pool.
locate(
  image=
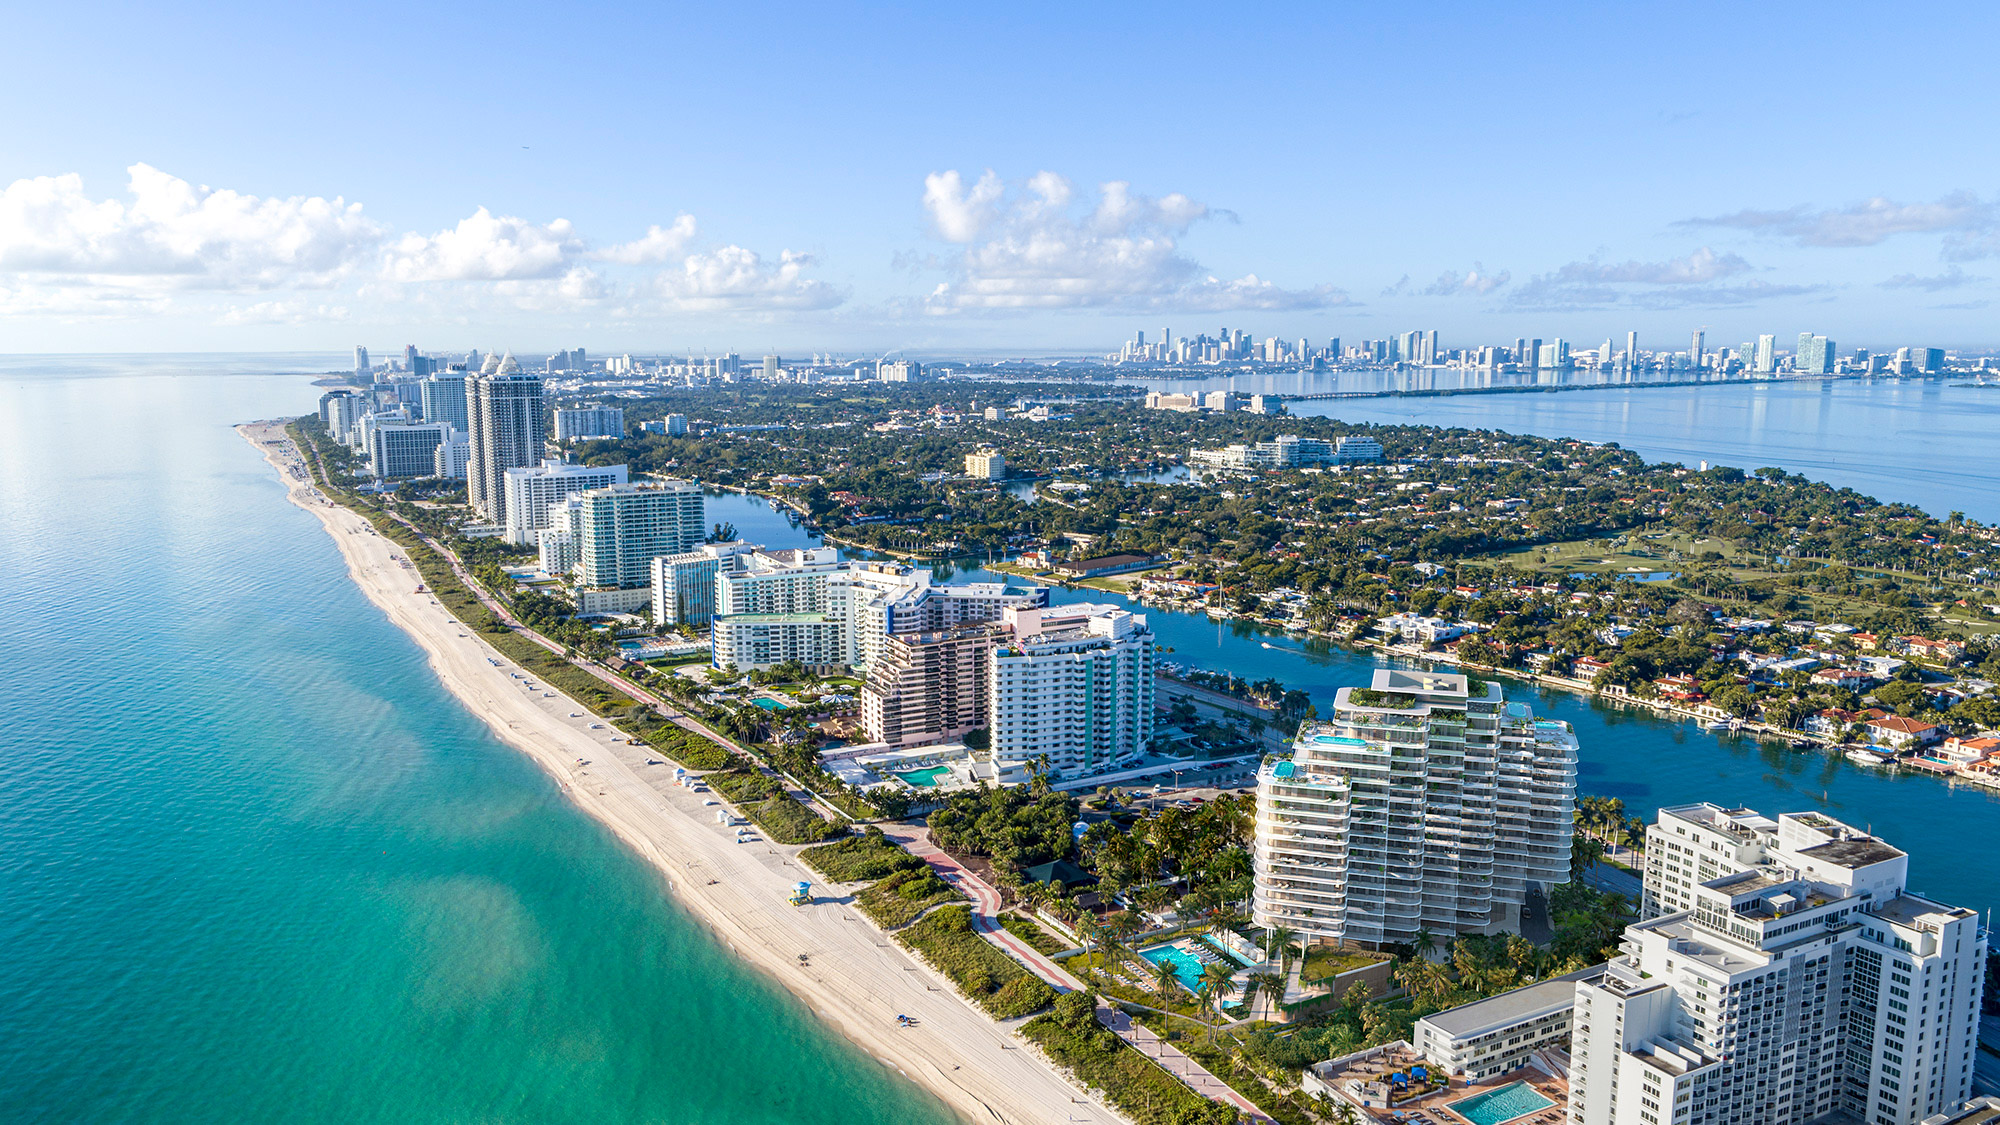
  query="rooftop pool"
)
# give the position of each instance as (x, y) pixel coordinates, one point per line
(1504, 1104)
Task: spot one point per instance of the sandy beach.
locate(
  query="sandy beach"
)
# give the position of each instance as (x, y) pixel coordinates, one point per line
(855, 978)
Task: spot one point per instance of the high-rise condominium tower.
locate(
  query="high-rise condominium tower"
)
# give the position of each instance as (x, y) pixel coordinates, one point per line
(1783, 975)
(1428, 803)
(507, 421)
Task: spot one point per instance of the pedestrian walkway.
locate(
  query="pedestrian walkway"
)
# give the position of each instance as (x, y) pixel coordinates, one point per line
(986, 921)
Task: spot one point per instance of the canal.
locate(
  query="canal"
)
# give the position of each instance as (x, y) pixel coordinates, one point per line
(1643, 758)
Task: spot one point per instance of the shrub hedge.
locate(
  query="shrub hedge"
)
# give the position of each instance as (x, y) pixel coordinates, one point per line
(766, 803)
(945, 938)
(862, 858)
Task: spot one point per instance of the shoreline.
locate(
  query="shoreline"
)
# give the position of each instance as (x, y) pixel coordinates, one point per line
(857, 979)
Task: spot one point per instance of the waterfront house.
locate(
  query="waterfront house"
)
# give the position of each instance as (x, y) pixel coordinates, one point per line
(1680, 689)
(1587, 667)
(1967, 751)
(1901, 733)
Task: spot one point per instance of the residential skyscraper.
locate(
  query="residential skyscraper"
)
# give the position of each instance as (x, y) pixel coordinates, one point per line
(361, 364)
(929, 686)
(590, 422)
(1767, 354)
(625, 526)
(405, 449)
(1423, 804)
(1632, 349)
(529, 491)
(1783, 974)
(441, 397)
(1071, 690)
(1697, 348)
(1815, 355)
(507, 423)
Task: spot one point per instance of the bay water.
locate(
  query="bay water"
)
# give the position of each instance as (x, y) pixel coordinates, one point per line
(257, 865)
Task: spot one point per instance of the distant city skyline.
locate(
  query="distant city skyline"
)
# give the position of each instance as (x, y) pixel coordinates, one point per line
(1022, 184)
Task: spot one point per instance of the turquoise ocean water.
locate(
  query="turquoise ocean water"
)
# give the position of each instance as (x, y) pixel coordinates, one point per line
(257, 865)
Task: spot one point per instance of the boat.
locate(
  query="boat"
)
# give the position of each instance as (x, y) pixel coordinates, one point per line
(1716, 724)
(1868, 757)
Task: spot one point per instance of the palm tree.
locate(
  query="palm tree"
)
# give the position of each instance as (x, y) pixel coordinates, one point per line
(1271, 986)
(1164, 980)
(1279, 938)
(1216, 978)
(1424, 942)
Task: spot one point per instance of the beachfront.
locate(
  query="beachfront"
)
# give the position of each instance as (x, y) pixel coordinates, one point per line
(854, 977)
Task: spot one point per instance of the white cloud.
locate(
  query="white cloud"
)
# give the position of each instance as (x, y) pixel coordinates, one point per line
(281, 312)
(1036, 251)
(175, 232)
(1700, 267)
(733, 279)
(1692, 281)
(1862, 224)
(1952, 278)
(957, 214)
(486, 247)
(1474, 282)
(659, 244)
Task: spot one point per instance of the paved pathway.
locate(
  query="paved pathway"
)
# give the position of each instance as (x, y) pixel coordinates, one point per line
(985, 920)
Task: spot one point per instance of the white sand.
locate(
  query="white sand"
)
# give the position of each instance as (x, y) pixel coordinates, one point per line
(858, 980)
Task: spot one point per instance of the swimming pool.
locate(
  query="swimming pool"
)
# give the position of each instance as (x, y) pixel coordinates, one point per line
(770, 704)
(1187, 967)
(1505, 1104)
(926, 778)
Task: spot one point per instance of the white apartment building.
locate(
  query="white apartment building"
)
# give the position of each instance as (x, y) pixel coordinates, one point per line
(621, 528)
(1802, 981)
(1424, 804)
(405, 449)
(1285, 452)
(359, 437)
(573, 424)
(531, 489)
(1072, 688)
(869, 600)
(1352, 449)
(340, 410)
(1488, 1038)
(986, 464)
(452, 456)
(760, 640)
(557, 542)
(783, 581)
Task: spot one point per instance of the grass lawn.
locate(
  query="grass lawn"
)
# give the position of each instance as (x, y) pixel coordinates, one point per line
(1322, 964)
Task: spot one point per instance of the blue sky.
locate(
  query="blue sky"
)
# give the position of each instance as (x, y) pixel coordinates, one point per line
(810, 177)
